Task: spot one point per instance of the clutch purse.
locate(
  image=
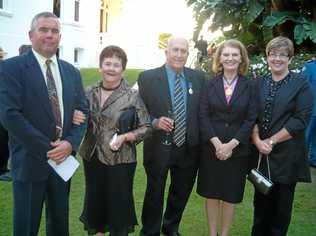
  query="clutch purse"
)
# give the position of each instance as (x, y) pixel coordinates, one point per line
(128, 120)
(259, 181)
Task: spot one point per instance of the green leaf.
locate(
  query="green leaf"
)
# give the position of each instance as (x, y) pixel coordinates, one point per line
(267, 33)
(190, 2)
(254, 10)
(278, 18)
(311, 33)
(212, 4)
(299, 34)
(246, 37)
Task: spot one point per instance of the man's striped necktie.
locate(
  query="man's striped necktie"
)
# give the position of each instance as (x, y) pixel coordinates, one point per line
(179, 113)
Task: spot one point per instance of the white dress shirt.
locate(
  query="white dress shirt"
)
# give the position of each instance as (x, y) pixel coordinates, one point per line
(57, 77)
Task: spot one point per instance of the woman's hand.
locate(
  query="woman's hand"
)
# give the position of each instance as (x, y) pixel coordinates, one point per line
(118, 142)
(78, 117)
(120, 139)
(225, 151)
(263, 146)
(218, 145)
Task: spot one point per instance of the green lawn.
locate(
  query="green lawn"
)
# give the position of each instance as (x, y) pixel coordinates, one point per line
(194, 219)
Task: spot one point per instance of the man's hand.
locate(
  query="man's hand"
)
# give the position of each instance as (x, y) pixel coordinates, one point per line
(61, 150)
(164, 123)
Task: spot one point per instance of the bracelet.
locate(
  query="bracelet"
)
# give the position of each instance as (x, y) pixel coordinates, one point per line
(272, 142)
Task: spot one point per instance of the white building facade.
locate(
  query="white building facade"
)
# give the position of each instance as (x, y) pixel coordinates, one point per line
(87, 26)
(79, 28)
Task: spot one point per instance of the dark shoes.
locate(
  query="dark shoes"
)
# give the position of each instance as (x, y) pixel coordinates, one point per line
(6, 176)
(166, 233)
(173, 234)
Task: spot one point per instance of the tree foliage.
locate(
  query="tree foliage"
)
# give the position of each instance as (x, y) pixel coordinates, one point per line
(256, 22)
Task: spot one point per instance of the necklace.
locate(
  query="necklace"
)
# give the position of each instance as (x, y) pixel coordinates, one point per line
(109, 89)
(229, 84)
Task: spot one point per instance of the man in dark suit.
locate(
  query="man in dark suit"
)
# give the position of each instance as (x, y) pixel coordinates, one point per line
(5, 174)
(4, 155)
(201, 45)
(167, 151)
(4, 149)
(310, 71)
(38, 96)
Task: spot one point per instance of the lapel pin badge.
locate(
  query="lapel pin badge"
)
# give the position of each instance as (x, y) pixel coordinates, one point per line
(190, 91)
(190, 88)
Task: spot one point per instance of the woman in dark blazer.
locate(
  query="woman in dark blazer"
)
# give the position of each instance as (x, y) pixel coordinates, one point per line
(284, 109)
(227, 116)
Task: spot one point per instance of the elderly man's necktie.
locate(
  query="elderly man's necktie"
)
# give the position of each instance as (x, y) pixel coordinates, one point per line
(53, 97)
(179, 113)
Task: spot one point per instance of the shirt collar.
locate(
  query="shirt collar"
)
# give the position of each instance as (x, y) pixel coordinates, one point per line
(171, 72)
(42, 60)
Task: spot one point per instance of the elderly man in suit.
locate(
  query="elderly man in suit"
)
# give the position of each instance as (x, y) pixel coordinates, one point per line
(171, 95)
(38, 96)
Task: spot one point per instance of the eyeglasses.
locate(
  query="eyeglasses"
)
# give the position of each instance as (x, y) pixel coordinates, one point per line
(282, 56)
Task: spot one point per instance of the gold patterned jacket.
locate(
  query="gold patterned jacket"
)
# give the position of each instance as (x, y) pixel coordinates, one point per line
(103, 124)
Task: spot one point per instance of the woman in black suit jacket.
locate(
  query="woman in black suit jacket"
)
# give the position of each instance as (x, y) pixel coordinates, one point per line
(227, 116)
(284, 109)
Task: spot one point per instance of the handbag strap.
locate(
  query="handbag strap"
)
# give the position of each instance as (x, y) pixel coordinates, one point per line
(268, 164)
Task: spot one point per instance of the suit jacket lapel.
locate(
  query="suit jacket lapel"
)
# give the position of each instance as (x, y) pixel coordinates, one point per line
(191, 88)
(34, 72)
(239, 88)
(65, 79)
(219, 89)
(163, 89)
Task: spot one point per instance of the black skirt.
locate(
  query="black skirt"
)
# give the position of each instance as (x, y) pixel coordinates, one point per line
(223, 180)
(109, 201)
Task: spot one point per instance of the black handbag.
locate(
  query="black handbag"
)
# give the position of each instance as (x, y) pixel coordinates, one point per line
(259, 181)
(128, 120)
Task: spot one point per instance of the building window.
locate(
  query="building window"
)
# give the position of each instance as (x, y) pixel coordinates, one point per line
(78, 55)
(57, 8)
(77, 10)
(6, 8)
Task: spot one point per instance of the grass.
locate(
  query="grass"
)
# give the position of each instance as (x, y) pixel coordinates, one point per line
(194, 218)
(90, 75)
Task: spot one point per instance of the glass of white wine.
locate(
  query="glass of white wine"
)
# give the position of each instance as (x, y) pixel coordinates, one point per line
(168, 135)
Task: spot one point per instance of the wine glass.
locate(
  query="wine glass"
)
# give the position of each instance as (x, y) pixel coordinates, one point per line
(168, 135)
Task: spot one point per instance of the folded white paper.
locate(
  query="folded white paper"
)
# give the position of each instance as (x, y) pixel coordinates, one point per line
(135, 86)
(66, 169)
(113, 139)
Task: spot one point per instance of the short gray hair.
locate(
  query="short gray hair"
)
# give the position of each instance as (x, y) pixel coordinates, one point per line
(44, 14)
